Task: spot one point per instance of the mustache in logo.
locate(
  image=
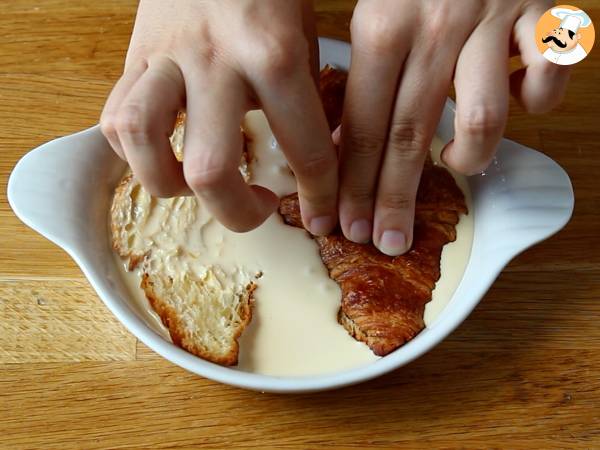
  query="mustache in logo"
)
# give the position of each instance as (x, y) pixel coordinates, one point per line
(555, 40)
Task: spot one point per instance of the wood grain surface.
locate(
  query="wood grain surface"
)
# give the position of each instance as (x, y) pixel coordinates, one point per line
(522, 372)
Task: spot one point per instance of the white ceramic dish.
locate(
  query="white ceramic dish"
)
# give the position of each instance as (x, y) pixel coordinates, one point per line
(63, 191)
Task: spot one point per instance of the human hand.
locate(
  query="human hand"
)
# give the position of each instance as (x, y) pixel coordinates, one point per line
(218, 59)
(405, 54)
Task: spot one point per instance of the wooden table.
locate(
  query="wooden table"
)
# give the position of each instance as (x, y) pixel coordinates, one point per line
(522, 371)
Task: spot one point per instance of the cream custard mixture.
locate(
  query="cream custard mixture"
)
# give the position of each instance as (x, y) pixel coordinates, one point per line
(294, 329)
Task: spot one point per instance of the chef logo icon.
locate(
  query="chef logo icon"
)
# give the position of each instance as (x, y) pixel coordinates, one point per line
(565, 35)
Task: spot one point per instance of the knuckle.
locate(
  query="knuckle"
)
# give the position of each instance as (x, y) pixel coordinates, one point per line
(316, 167)
(359, 195)
(481, 121)
(445, 23)
(363, 143)
(107, 125)
(375, 31)
(437, 23)
(408, 140)
(131, 120)
(205, 178)
(434, 38)
(443, 17)
(395, 201)
(278, 54)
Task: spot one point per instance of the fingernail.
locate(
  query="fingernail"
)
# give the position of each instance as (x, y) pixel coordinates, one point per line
(320, 226)
(185, 192)
(337, 135)
(392, 243)
(360, 231)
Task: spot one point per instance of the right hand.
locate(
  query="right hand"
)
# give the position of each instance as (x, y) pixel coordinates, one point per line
(405, 56)
(218, 59)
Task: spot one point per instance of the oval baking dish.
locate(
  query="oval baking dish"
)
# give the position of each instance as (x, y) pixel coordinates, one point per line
(63, 191)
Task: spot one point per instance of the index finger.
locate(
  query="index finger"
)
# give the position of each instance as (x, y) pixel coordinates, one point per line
(294, 111)
(213, 148)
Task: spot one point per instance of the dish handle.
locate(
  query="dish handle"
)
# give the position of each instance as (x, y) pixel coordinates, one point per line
(48, 179)
(523, 198)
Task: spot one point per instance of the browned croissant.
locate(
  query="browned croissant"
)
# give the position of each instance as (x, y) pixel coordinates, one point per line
(383, 297)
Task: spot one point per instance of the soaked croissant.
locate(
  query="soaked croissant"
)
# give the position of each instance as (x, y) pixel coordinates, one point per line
(384, 297)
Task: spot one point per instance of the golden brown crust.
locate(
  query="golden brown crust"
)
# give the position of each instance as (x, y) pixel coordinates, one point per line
(332, 84)
(173, 322)
(177, 137)
(119, 241)
(383, 297)
(117, 203)
(128, 245)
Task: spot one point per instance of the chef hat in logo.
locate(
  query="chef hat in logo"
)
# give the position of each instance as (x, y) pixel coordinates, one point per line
(571, 20)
